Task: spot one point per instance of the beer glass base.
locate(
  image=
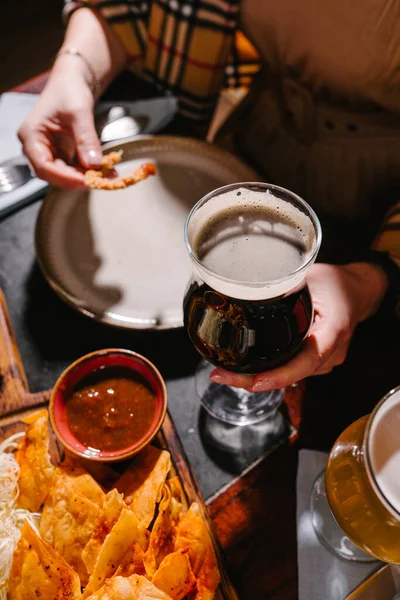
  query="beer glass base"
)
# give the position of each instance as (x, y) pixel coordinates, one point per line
(237, 448)
(234, 405)
(328, 531)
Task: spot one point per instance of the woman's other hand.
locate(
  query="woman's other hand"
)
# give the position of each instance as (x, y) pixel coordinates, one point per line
(342, 297)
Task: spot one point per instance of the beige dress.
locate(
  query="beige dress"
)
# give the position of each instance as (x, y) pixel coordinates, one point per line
(324, 116)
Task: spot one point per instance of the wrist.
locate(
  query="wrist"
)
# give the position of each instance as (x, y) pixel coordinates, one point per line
(93, 37)
(65, 67)
(70, 63)
(370, 284)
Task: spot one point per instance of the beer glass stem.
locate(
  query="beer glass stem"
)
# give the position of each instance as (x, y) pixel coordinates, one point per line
(244, 398)
(327, 529)
(237, 406)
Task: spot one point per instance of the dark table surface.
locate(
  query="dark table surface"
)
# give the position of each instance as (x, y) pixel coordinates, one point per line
(50, 335)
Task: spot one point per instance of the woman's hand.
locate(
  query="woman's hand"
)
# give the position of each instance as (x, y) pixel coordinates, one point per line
(342, 297)
(59, 132)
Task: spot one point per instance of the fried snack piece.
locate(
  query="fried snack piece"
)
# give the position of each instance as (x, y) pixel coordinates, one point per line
(38, 571)
(112, 507)
(107, 165)
(102, 473)
(110, 160)
(79, 477)
(175, 576)
(193, 534)
(178, 500)
(68, 475)
(115, 547)
(134, 587)
(36, 471)
(69, 517)
(177, 492)
(163, 533)
(99, 180)
(143, 481)
(132, 563)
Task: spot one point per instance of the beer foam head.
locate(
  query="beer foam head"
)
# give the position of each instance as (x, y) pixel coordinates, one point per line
(384, 449)
(252, 241)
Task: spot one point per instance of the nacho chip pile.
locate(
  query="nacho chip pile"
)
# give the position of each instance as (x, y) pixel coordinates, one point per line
(136, 540)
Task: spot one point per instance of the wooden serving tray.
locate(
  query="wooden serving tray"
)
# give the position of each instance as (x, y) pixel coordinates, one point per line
(17, 402)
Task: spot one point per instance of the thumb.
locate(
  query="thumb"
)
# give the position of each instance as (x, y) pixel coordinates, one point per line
(88, 145)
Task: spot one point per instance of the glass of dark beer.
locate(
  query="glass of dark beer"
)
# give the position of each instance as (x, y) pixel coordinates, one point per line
(248, 308)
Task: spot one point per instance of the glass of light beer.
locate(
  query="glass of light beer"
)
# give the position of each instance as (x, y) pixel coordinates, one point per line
(248, 308)
(361, 485)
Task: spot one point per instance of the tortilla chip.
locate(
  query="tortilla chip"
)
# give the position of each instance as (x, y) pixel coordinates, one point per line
(38, 571)
(36, 471)
(68, 519)
(112, 507)
(78, 476)
(132, 563)
(175, 576)
(115, 547)
(192, 533)
(142, 482)
(178, 500)
(134, 587)
(102, 473)
(174, 484)
(163, 534)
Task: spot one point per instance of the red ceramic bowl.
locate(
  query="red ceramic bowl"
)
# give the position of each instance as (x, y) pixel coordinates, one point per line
(112, 357)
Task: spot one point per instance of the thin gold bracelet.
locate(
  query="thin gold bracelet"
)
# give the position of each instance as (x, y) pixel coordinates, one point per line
(95, 84)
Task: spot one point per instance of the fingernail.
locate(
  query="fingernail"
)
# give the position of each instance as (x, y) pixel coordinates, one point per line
(218, 378)
(260, 386)
(92, 158)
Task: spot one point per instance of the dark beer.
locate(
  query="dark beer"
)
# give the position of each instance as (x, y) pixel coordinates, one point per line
(248, 308)
(246, 317)
(246, 336)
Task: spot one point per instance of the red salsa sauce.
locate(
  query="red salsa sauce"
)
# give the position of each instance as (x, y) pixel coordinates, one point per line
(111, 409)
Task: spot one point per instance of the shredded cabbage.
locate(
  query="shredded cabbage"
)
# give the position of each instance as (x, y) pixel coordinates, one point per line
(11, 518)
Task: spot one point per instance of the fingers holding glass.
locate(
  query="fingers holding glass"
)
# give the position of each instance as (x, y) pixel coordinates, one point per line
(324, 348)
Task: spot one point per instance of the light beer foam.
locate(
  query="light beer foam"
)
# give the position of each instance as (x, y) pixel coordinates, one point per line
(252, 244)
(384, 449)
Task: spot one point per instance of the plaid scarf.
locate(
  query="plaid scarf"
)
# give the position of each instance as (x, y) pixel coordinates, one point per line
(188, 48)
